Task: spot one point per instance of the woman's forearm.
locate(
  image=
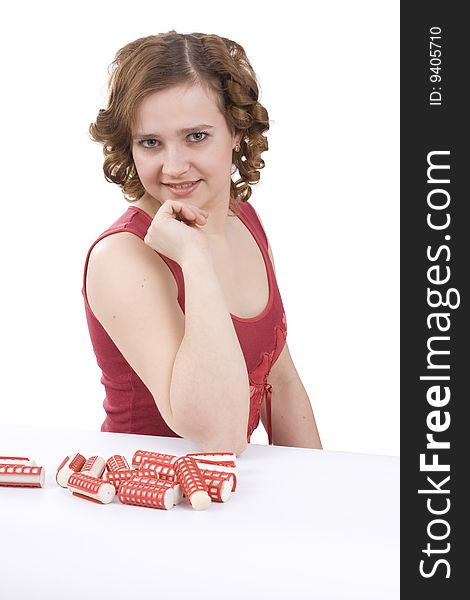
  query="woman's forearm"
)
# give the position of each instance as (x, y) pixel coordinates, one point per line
(209, 393)
(292, 419)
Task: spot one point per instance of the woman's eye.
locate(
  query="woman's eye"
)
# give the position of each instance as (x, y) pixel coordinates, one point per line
(198, 134)
(150, 145)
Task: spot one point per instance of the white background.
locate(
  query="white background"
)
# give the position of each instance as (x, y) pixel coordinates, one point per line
(328, 198)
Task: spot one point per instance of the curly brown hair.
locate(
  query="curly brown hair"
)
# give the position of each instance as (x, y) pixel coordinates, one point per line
(157, 62)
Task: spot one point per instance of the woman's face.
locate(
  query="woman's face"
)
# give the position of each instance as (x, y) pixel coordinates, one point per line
(181, 136)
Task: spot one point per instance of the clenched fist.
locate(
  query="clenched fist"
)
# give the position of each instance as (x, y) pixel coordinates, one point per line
(175, 230)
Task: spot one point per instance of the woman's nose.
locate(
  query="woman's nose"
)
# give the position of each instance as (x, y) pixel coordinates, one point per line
(175, 162)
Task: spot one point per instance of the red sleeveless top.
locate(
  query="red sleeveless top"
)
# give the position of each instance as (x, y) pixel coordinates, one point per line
(129, 406)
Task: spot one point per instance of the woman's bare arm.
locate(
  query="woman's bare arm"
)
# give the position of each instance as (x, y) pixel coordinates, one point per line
(210, 383)
(192, 364)
(292, 419)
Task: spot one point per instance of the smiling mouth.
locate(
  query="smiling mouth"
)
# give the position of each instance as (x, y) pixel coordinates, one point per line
(182, 189)
(183, 184)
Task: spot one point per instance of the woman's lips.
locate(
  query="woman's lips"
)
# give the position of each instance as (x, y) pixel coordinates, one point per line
(183, 191)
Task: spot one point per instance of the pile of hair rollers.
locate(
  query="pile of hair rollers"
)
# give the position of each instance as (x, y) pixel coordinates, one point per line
(153, 480)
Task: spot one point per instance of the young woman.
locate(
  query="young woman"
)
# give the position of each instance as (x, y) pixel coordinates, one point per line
(184, 313)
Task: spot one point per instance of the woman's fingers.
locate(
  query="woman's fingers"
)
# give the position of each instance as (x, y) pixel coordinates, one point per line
(176, 239)
(182, 211)
(191, 213)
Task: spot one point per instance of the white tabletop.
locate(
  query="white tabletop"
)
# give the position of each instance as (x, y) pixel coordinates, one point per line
(302, 524)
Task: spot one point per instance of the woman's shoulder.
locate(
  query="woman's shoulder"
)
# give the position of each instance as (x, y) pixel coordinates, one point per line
(121, 247)
(133, 223)
(122, 263)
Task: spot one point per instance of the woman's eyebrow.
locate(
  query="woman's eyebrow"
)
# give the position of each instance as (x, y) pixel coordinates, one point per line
(180, 132)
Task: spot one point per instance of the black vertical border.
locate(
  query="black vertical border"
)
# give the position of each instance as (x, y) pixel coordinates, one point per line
(426, 128)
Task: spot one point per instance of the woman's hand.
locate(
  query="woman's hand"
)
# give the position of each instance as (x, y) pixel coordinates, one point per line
(175, 230)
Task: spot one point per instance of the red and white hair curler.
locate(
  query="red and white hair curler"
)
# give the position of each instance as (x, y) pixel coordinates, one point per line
(230, 477)
(91, 488)
(117, 463)
(94, 466)
(21, 475)
(117, 478)
(174, 485)
(193, 484)
(70, 464)
(205, 464)
(228, 459)
(140, 455)
(17, 460)
(146, 491)
(163, 470)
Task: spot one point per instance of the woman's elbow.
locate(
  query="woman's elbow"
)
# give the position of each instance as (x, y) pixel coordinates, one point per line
(224, 444)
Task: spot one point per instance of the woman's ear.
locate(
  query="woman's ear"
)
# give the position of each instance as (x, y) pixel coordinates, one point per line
(237, 138)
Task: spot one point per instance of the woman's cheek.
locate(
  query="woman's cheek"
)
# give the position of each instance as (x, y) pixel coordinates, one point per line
(144, 169)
